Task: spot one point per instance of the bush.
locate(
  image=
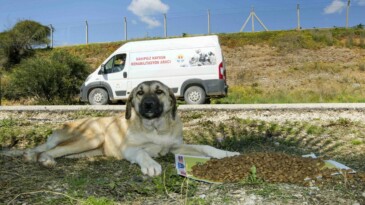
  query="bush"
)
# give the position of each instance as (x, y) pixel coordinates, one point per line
(52, 80)
(19, 41)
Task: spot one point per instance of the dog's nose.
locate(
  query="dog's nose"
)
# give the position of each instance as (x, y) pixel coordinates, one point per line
(149, 103)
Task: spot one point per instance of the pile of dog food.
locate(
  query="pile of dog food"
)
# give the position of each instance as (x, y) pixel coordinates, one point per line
(269, 167)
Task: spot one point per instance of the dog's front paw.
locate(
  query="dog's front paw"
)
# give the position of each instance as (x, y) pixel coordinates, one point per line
(30, 156)
(46, 160)
(151, 168)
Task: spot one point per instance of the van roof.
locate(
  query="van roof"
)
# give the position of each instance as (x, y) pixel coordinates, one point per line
(169, 44)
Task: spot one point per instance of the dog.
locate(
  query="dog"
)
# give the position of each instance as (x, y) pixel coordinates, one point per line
(150, 127)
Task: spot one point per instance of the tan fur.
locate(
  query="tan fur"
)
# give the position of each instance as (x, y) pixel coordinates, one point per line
(133, 136)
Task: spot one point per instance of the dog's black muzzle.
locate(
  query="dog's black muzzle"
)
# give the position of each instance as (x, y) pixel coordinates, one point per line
(150, 107)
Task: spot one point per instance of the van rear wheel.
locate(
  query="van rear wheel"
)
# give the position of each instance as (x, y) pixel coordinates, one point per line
(98, 96)
(194, 95)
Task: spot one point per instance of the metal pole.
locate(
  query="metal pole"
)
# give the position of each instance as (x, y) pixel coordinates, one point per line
(165, 25)
(208, 21)
(259, 20)
(298, 17)
(253, 20)
(125, 29)
(347, 13)
(51, 28)
(244, 24)
(87, 32)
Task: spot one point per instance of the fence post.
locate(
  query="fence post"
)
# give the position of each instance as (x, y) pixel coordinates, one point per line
(165, 25)
(125, 29)
(208, 21)
(298, 17)
(87, 32)
(347, 13)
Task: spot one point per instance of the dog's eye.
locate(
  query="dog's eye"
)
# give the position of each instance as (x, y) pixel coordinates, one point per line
(140, 92)
(158, 92)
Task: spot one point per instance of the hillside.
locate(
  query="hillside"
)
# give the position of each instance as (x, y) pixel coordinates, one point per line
(321, 75)
(279, 66)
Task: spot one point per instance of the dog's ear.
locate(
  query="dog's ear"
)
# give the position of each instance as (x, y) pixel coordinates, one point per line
(128, 113)
(173, 103)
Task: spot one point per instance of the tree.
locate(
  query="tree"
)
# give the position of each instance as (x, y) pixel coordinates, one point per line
(19, 41)
(359, 26)
(49, 79)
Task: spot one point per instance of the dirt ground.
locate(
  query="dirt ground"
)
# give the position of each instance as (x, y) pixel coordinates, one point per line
(334, 134)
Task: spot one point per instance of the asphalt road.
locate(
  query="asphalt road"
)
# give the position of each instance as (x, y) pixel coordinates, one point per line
(309, 106)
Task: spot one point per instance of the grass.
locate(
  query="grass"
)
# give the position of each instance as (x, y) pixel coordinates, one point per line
(317, 94)
(273, 76)
(292, 40)
(109, 181)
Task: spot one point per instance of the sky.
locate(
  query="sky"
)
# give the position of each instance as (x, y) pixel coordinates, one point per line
(145, 18)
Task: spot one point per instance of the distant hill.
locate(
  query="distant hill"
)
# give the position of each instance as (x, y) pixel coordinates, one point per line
(326, 65)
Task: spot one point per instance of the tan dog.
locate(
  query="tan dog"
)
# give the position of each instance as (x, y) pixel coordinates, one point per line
(149, 128)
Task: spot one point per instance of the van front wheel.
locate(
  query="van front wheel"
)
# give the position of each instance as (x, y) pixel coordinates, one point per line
(98, 96)
(194, 95)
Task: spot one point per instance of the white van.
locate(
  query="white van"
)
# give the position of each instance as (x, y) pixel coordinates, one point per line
(192, 67)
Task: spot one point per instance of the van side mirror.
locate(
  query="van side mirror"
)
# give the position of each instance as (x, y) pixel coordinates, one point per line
(102, 69)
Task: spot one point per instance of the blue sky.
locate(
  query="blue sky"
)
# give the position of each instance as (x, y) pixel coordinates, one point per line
(145, 17)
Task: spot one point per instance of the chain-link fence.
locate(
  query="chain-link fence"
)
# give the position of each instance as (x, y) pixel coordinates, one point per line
(205, 21)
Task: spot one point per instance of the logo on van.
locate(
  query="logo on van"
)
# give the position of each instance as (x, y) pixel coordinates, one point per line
(180, 58)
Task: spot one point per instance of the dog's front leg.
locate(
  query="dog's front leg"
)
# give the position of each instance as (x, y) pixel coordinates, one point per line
(148, 165)
(202, 150)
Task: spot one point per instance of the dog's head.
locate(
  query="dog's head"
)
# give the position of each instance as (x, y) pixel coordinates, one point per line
(151, 99)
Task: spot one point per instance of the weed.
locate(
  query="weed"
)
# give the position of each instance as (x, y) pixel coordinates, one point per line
(195, 115)
(314, 130)
(8, 122)
(323, 36)
(98, 201)
(88, 113)
(252, 179)
(198, 201)
(344, 122)
(356, 142)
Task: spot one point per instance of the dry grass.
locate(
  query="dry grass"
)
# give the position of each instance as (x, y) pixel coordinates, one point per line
(109, 181)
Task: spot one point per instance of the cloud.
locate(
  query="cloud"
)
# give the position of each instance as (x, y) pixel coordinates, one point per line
(335, 7)
(145, 9)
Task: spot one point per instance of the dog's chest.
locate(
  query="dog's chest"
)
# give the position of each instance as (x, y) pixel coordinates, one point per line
(155, 137)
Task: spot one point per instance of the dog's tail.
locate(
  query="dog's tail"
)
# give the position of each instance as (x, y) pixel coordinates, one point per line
(12, 153)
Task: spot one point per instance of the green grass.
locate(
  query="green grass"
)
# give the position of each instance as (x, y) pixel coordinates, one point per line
(109, 181)
(254, 95)
(356, 142)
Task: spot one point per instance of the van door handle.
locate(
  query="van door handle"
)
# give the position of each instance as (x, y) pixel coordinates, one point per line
(124, 74)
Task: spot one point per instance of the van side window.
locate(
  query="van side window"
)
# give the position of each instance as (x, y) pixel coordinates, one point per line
(115, 64)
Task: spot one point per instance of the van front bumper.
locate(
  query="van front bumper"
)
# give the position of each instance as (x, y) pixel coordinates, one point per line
(83, 93)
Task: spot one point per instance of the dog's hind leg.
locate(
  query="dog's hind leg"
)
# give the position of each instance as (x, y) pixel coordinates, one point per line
(52, 141)
(91, 153)
(78, 145)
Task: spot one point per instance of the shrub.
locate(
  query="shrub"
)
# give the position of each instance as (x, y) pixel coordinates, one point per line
(49, 80)
(293, 40)
(19, 41)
